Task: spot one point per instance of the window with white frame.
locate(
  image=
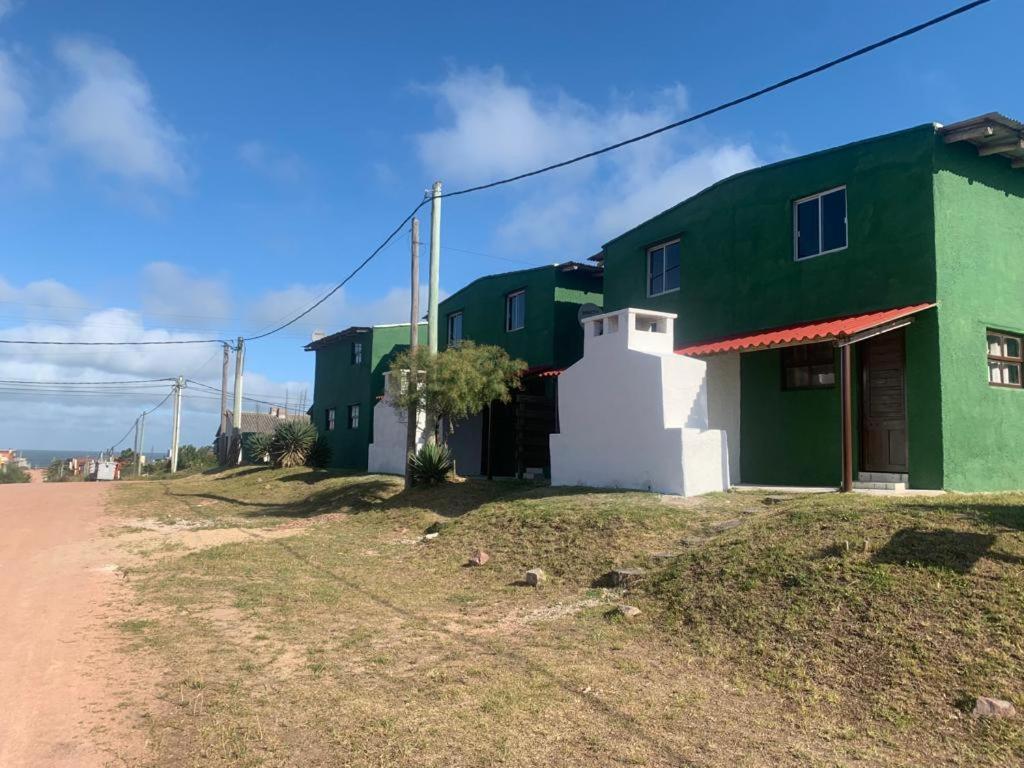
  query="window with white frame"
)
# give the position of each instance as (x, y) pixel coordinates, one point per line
(357, 352)
(515, 311)
(454, 328)
(353, 416)
(329, 419)
(663, 268)
(819, 224)
(1004, 359)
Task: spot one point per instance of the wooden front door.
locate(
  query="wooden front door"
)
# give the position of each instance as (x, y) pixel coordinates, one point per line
(883, 436)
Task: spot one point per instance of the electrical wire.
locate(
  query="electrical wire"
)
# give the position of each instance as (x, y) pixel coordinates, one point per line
(114, 343)
(77, 383)
(134, 423)
(641, 137)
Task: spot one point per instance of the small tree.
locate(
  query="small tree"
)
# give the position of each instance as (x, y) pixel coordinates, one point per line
(12, 473)
(454, 384)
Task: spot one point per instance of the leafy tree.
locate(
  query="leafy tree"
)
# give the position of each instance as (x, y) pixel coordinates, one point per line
(454, 384)
(12, 473)
(292, 442)
(192, 457)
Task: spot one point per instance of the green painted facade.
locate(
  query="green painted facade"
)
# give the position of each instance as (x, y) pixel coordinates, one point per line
(551, 336)
(339, 383)
(927, 222)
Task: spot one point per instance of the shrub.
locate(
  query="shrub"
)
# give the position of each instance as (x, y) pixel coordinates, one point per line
(192, 457)
(256, 447)
(320, 454)
(12, 473)
(433, 464)
(292, 443)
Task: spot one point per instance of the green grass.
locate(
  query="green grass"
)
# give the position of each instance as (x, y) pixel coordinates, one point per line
(778, 640)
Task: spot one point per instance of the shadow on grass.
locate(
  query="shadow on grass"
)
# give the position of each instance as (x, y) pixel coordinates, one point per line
(952, 550)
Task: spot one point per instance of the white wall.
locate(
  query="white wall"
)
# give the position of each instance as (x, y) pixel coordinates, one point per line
(633, 414)
(387, 451)
(724, 404)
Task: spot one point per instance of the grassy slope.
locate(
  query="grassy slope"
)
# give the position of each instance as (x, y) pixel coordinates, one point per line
(771, 641)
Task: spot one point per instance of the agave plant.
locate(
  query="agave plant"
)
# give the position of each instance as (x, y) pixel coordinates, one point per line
(256, 447)
(431, 465)
(291, 443)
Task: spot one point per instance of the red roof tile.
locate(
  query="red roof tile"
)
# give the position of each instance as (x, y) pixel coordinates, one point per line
(805, 333)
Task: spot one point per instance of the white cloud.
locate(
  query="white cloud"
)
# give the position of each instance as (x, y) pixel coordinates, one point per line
(110, 118)
(277, 164)
(169, 291)
(40, 298)
(7, 7)
(13, 108)
(496, 128)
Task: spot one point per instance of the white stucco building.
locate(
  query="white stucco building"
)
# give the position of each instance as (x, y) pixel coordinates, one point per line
(633, 414)
(387, 452)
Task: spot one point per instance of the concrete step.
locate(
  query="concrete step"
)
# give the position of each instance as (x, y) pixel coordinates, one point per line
(863, 485)
(882, 477)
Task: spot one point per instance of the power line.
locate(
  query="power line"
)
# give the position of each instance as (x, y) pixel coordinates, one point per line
(115, 343)
(144, 413)
(641, 137)
(90, 383)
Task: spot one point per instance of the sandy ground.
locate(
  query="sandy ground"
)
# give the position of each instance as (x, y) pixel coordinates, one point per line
(67, 695)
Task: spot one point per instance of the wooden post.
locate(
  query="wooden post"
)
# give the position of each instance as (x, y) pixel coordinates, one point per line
(846, 393)
(414, 340)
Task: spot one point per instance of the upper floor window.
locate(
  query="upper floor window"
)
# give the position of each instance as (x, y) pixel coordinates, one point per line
(353, 416)
(819, 223)
(357, 352)
(808, 366)
(329, 419)
(454, 328)
(1004, 359)
(663, 268)
(515, 311)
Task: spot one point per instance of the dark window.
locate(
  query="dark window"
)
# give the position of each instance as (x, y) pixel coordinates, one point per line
(819, 223)
(1004, 359)
(353, 416)
(808, 366)
(515, 311)
(454, 328)
(663, 268)
(329, 419)
(357, 352)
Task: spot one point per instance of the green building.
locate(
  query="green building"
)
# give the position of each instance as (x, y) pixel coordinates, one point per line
(907, 249)
(534, 315)
(350, 368)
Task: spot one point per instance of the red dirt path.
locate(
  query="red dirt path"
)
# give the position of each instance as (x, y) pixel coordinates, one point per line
(63, 676)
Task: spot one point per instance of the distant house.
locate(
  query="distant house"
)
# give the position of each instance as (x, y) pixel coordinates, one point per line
(255, 423)
(349, 380)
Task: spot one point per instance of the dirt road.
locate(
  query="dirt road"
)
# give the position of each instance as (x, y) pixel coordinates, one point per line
(68, 696)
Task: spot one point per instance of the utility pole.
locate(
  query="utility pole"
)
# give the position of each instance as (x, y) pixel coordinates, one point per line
(176, 423)
(236, 415)
(435, 265)
(222, 446)
(414, 341)
(142, 436)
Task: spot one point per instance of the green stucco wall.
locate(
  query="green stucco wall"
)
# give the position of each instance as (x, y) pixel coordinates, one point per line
(552, 335)
(979, 232)
(338, 383)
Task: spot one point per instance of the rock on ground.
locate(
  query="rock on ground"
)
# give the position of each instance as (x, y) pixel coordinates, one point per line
(988, 707)
(479, 558)
(535, 577)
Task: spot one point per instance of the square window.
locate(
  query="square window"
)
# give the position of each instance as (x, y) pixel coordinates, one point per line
(808, 366)
(357, 352)
(1004, 359)
(515, 311)
(353, 416)
(454, 328)
(663, 267)
(329, 419)
(820, 224)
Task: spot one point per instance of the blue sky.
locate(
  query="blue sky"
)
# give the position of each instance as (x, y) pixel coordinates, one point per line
(207, 168)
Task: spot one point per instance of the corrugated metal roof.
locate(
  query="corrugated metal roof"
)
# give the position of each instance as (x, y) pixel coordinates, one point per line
(264, 423)
(805, 333)
(992, 134)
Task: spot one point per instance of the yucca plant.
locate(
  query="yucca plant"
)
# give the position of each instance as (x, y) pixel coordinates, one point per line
(320, 454)
(256, 447)
(291, 443)
(431, 465)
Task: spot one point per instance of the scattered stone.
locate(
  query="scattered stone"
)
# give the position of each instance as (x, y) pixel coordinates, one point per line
(772, 500)
(479, 558)
(725, 525)
(623, 577)
(430, 536)
(535, 577)
(627, 611)
(987, 707)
